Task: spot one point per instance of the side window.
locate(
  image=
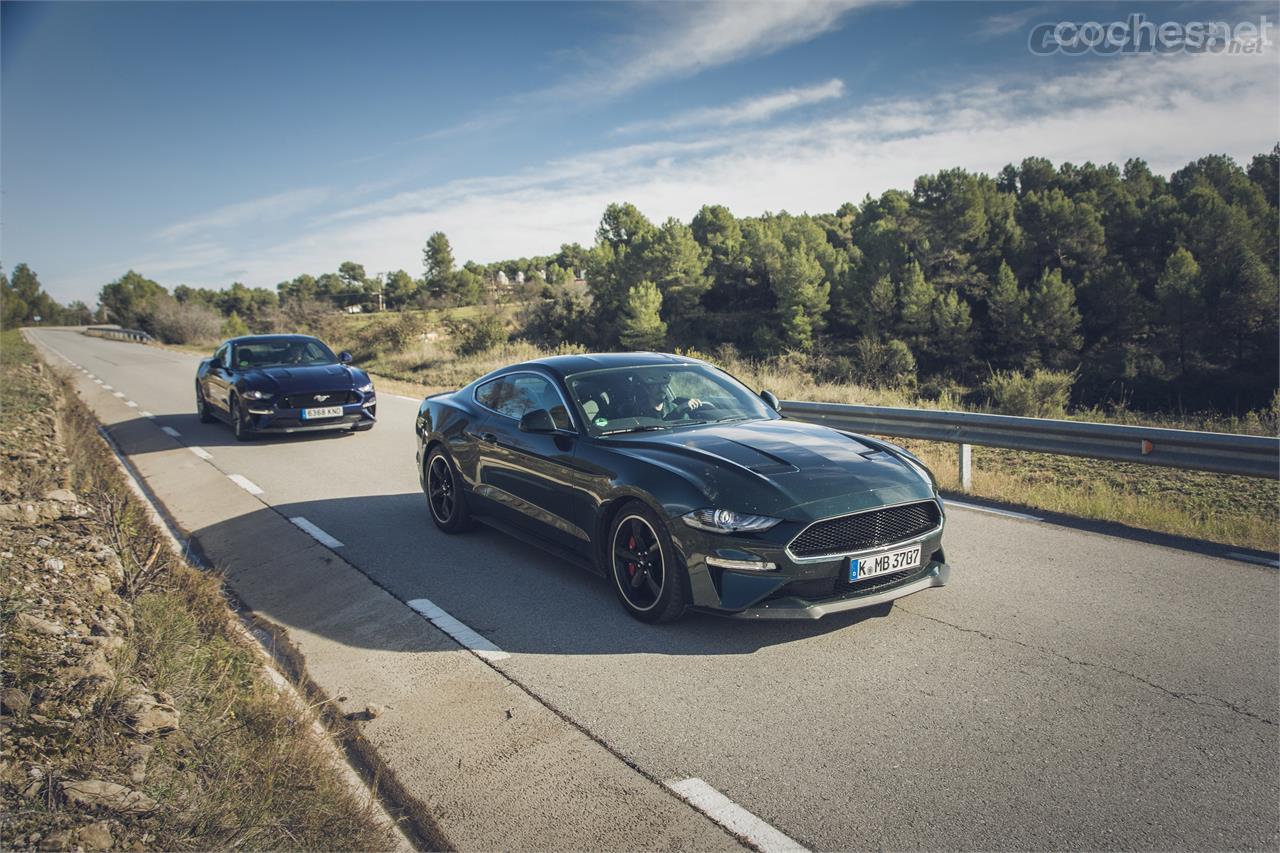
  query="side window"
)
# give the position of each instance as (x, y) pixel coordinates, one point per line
(220, 357)
(513, 396)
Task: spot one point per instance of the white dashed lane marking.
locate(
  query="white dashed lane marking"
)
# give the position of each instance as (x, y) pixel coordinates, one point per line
(460, 632)
(315, 532)
(204, 454)
(1006, 513)
(733, 817)
(170, 431)
(245, 483)
(119, 394)
(131, 404)
(148, 415)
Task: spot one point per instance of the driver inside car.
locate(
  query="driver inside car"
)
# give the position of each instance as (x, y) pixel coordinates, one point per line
(653, 401)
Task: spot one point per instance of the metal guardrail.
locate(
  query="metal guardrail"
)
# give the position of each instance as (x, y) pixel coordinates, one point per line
(1222, 453)
(118, 334)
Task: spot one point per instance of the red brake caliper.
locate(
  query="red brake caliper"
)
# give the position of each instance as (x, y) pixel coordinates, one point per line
(631, 544)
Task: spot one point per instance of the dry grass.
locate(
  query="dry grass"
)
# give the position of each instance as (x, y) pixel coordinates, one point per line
(244, 770)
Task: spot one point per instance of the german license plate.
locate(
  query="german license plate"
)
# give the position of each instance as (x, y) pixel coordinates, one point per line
(325, 412)
(879, 564)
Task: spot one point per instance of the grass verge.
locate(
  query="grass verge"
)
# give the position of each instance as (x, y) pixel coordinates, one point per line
(134, 714)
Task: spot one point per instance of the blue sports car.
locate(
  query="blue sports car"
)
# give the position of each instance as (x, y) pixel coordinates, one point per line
(283, 384)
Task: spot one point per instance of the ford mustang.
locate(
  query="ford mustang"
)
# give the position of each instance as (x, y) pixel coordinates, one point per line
(283, 384)
(682, 487)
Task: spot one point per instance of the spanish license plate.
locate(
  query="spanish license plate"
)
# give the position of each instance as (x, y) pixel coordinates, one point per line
(325, 412)
(879, 564)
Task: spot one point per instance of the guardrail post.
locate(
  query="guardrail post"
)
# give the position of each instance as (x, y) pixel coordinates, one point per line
(966, 467)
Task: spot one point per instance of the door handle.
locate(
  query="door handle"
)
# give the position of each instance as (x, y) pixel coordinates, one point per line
(488, 438)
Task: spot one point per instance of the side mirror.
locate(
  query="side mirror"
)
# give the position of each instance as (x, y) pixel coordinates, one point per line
(537, 420)
(772, 400)
(345, 357)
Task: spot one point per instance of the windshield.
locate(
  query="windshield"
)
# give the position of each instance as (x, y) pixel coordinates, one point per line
(661, 396)
(296, 352)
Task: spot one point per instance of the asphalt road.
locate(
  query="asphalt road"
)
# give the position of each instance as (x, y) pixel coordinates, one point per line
(1067, 690)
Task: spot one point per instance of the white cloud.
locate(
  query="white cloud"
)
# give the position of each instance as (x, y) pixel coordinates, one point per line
(745, 111)
(1167, 110)
(270, 208)
(681, 40)
(693, 37)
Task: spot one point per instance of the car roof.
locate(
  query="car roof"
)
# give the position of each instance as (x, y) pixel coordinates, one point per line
(250, 339)
(567, 365)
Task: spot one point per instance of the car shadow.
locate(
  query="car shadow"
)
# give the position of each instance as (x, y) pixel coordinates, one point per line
(516, 595)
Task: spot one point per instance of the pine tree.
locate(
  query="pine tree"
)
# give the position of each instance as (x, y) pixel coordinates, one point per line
(642, 327)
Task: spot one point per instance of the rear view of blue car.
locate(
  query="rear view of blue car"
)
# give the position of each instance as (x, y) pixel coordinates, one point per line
(283, 384)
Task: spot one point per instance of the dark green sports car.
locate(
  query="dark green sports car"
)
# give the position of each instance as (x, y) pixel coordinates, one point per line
(683, 487)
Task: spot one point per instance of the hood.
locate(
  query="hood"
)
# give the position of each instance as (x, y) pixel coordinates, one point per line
(782, 468)
(302, 379)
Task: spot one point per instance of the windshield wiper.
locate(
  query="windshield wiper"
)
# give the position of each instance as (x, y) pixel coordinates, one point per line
(633, 429)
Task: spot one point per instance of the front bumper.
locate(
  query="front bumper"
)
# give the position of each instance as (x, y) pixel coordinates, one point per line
(268, 419)
(807, 588)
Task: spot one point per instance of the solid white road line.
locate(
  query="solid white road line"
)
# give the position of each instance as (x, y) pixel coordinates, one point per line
(464, 635)
(403, 397)
(1250, 558)
(733, 817)
(204, 454)
(1006, 513)
(316, 533)
(244, 483)
(170, 431)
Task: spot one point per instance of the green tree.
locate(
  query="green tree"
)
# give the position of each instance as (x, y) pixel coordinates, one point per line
(1181, 302)
(1051, 309)
(678, 266)
(642, 327)
(951, 342)
(437, 263)
(400, 289)
(126, 298)
(13, 308)
(802, 295)
(915, 304)
(1007, 310)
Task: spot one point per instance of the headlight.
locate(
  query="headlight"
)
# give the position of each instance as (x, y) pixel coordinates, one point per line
(256, 395)
(728, 521)
(366, 388)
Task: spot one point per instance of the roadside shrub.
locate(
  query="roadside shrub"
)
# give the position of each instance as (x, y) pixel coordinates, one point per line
(472, 337)
(175, 322)
(233, 326)
(1042, 394)
(406, 329)
(883, 364)
(551, 322)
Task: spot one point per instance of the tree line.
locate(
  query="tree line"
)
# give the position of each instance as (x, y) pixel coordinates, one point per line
(1161, 292)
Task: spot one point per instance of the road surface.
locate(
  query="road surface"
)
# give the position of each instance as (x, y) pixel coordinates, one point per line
(1068, 689)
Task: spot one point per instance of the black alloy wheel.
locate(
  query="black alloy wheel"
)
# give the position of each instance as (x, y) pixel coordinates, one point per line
(237, 422)
(646, 578)
(444, 497)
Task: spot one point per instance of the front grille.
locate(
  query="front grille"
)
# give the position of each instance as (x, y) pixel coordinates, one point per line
(309, 401)
(861, 531)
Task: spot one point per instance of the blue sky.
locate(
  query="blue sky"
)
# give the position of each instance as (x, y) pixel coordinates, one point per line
(210, 143)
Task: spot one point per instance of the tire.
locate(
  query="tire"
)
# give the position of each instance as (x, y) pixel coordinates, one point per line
(647, 577)
(202, 407)
(238, 425)
(443, 489)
